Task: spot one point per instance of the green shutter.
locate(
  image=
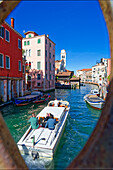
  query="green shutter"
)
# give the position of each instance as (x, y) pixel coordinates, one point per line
(29, 35)
(28, 43)
(24, 43)
(39, 41)
(38, 65)
(38, 52)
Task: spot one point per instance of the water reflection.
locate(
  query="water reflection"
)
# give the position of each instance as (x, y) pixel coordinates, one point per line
(80, 124)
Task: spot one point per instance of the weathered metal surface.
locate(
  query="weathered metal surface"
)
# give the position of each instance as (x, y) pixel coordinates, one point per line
(10, 157)
(6, 7)
(98, 151)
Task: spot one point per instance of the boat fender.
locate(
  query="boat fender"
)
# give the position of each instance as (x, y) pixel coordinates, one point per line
(35, 155)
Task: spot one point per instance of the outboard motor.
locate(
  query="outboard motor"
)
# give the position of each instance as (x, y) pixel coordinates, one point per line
(35, 155)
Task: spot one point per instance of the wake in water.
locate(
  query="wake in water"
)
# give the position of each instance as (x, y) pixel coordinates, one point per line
(38, 164)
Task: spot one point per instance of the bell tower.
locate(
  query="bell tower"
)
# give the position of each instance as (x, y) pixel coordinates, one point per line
(63, 57)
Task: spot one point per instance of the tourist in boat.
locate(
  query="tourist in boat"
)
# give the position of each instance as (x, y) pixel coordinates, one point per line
(51, 123)
(34, 121)
(56, 102)
(47, 117)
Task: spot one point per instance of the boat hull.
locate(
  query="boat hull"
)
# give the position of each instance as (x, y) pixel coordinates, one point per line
(47, 148)
(94, 104)
(23, 101)
(41, 101)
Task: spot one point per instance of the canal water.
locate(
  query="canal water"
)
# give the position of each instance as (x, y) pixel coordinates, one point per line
(80, 123)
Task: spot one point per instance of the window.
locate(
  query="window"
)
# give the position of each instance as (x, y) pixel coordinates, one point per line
(46, 53)
(29, 64)
(24, 43)
(26, 52)
(49, 55)
(50, 76)
(63, 56)
(50, 66)
(46, 41)
(53, 77)
(7, 62)
(23, 84)
(1, 61)
(2, 32)
(29, 35)
(29, 52)
(38, 52)
(50, 44)
(39, 41)
(53, 47)
(26, 63)
(46, 65)
(28, 43)
(46, 76)
(19, 65)
(7, 35)
(53, 66)
(38, 84)
(38, 77)
(39, 65)
(23, 69)
(19, 43)
(53, 56)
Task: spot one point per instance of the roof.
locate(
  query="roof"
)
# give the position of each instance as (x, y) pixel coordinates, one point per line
(55, 111)
(75, 78)
(56, 68)
(58, 61)
(64, 74)
(12, 28)
(30, 32)
(86, 69)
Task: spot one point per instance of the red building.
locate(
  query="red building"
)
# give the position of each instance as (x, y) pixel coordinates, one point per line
(11, 63)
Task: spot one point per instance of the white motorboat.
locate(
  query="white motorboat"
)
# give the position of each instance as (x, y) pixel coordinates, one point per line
(95, 91)
(42, 142)
(94, 101)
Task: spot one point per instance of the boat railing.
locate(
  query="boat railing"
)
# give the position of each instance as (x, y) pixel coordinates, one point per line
(55, 133)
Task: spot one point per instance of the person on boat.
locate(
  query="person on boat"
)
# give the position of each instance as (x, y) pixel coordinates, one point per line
(34, 121)
(51, 123)
(47, 117)
(56, 102)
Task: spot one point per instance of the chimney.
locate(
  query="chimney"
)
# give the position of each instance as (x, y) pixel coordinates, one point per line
(12, 22)
(48, 35)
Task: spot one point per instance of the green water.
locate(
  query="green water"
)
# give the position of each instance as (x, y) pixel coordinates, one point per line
(80, 124)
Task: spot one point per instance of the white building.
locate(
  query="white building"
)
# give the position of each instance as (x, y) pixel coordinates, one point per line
(40, 56)
(63, 57)
(99, 73)
(85, 75)
(60, 65)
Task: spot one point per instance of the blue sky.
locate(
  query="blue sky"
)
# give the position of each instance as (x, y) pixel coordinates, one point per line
(76, 26)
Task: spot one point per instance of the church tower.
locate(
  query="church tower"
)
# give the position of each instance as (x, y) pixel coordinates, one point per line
(63, 57)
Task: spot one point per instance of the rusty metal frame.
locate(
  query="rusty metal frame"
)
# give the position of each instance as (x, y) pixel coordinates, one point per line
(98, 151)
(10, 157)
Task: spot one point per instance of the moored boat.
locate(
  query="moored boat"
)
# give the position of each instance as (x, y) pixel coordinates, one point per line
(42, 142)
(42, 99)
(95, 91)
(25, 100)
(94, 101)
